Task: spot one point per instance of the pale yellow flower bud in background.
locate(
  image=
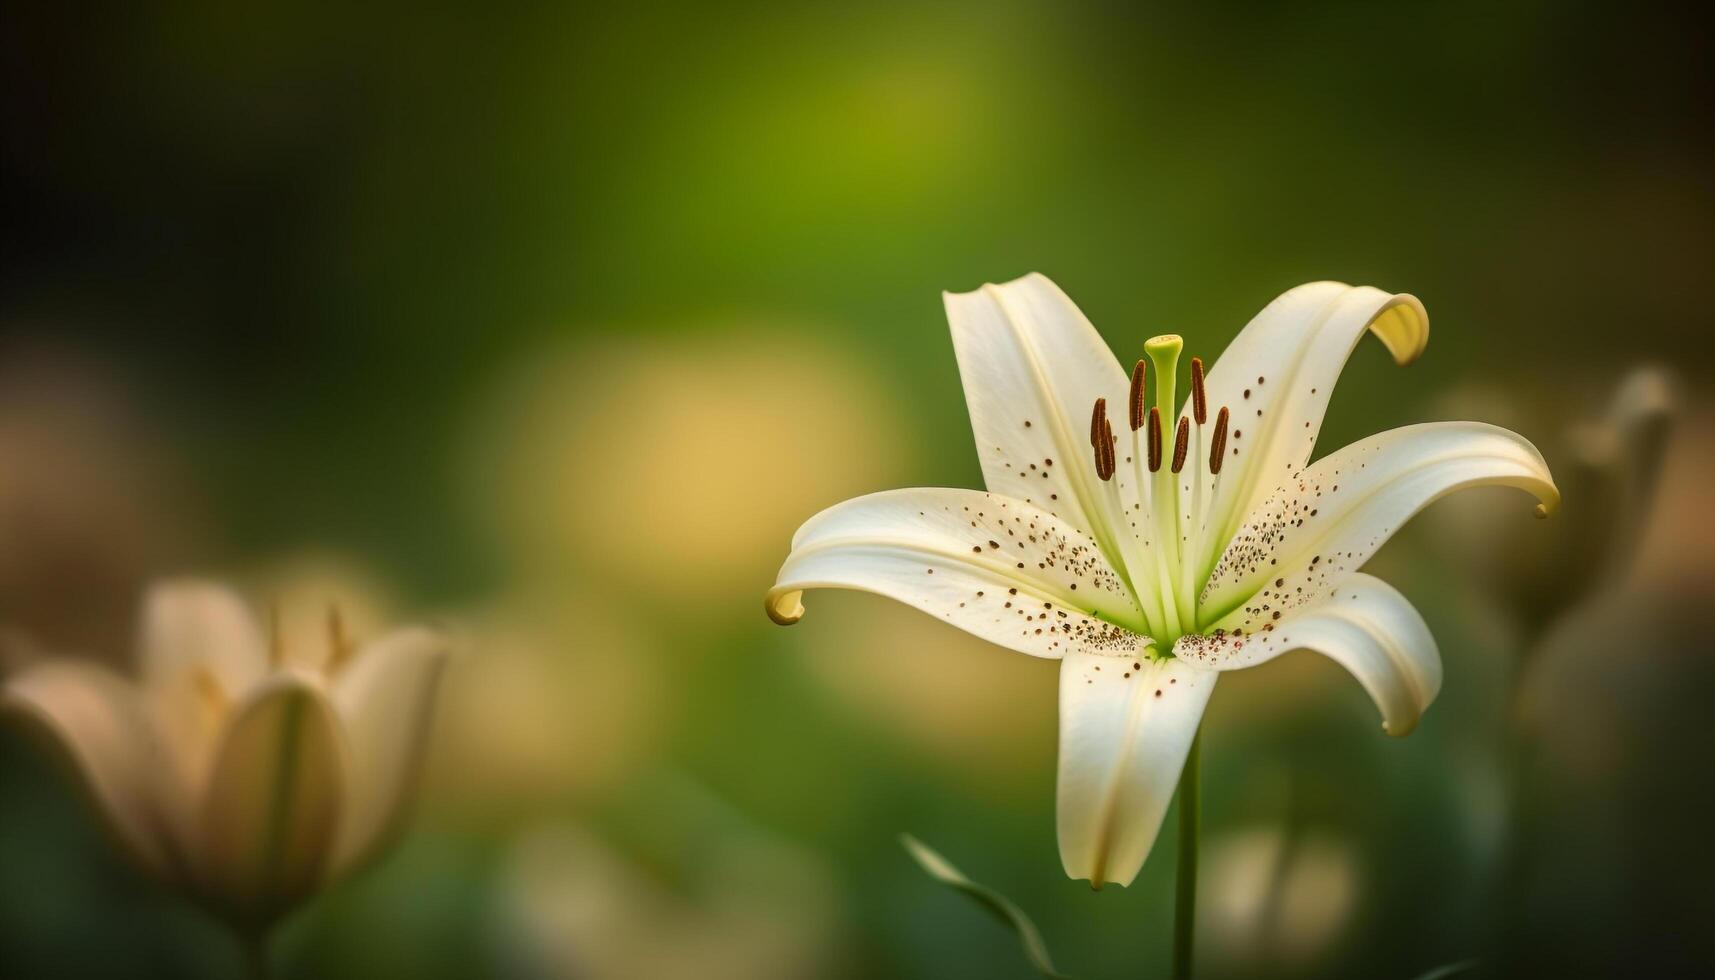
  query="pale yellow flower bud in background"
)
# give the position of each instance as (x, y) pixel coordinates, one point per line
(230, 769)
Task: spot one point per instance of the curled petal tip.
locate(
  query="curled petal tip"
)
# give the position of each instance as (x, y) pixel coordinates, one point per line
(1402, 324)
(1550, 503)
(785, 608)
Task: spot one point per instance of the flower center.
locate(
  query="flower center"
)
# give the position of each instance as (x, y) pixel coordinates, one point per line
(1162, 503)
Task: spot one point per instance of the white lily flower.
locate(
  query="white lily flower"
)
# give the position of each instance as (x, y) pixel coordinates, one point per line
(1151, 561)
(248, 778)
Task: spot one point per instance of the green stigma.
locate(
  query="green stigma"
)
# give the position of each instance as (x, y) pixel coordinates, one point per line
(1163, 354)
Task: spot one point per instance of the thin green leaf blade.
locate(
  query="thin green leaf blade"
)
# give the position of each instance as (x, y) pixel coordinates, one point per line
(994, 902)
(1450, 970)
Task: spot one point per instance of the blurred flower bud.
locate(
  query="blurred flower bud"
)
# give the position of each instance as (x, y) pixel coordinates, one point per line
(1607, 468)
(229, 769)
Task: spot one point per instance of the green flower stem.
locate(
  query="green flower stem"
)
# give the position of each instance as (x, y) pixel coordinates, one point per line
(1185, 879)
(253, 946)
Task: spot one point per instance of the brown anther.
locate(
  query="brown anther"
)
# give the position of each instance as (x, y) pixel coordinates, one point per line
(1097, 417)
(1154, 439)
(1105, 451)
(1181, 443)
(1137, 390)
(1218, 445)
(1199, 397)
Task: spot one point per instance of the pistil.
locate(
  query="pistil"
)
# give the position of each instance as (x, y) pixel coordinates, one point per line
(1163, 353)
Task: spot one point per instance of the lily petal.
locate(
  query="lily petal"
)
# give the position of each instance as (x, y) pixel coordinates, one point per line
(1125, 728)
(1276, 377)
(1033, 367)
(1367, 627)
(271, 813)
(1319, 528)
(385, 699)
(190, 626)
(201, 650)
(93, 714)
(997, 568)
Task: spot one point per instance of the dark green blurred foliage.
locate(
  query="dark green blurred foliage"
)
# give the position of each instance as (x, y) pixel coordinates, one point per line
(313, 238)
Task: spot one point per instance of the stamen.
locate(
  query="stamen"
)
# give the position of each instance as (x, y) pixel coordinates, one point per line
(1096, 419)
(1137, 391)
(1154, 438)
(276, 645)
(209, 690)
(1218, 445)
(339, 644)
(1181, 443)
(1199, 397)
(1105, 452)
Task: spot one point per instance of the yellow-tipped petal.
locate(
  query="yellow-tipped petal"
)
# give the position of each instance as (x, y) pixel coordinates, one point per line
(785, 606)
(1277, 376)
(997, 568)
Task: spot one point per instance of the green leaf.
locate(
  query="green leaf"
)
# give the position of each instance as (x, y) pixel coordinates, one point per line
(1450, 969)
(997, 904)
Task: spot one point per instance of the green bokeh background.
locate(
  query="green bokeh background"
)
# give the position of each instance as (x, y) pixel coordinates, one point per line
(311, 241)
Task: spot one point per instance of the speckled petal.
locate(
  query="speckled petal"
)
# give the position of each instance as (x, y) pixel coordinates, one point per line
(1323, 524)
(1276, 377)
(1125, 727)
(1033, 367)
(997, 568)
(1366, 627)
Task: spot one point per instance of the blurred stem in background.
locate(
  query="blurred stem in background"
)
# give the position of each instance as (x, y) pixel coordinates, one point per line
(1185, 879)
(253, 946)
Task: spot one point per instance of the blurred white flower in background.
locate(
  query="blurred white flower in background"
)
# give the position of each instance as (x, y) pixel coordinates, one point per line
(247, 767)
